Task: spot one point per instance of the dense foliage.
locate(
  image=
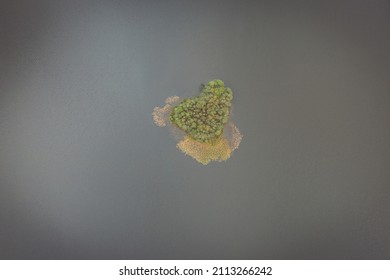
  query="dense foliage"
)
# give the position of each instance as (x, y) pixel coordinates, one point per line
(203, 117)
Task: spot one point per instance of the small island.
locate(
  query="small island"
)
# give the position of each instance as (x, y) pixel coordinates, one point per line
(206, 133)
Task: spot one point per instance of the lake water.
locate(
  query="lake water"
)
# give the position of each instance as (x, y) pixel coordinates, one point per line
(85, 173)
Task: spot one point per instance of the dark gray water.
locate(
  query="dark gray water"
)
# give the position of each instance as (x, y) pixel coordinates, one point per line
(84, 172)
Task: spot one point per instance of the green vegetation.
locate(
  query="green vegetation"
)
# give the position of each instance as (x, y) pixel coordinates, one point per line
(203, 117)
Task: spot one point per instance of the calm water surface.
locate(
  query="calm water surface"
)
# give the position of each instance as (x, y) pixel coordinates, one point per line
(84, 172)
